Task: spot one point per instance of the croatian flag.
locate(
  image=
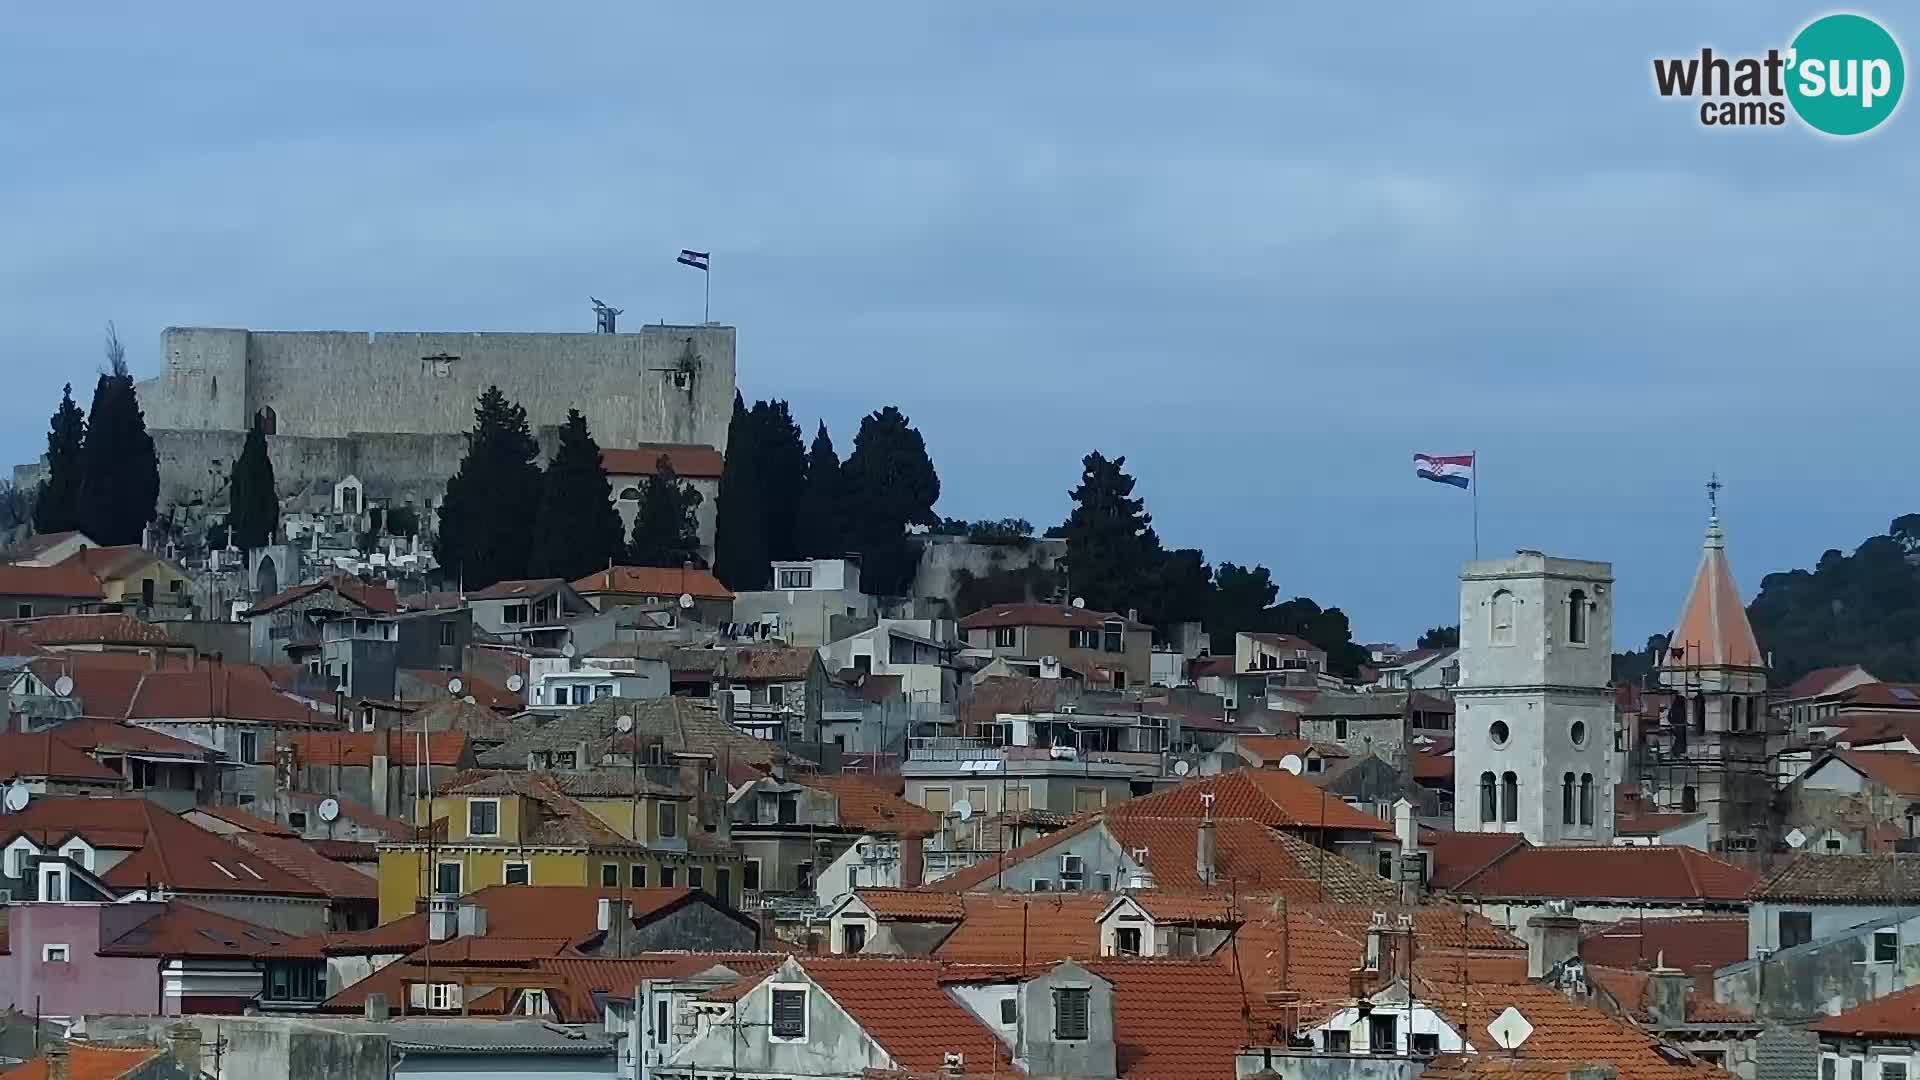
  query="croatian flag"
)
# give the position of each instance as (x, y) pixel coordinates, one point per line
(695, 259)
(1456, 470)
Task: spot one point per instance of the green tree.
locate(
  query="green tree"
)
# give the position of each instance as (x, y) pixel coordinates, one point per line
(666, 529)
(253, 505)
(891, 484)
(1242, 596)
(739, 540)
(120, 473)
(1178, 589)
(822, 524)
(1642, 666)
(782, 461)
(402, 521)
(483, 535)
(1439, 637)
(578, 531)
(1112, 550)
(56, 508)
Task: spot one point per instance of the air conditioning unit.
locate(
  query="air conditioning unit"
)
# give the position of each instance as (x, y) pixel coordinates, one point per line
(1042, 885)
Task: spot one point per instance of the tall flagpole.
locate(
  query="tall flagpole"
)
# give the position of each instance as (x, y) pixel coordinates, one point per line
(706, 305)
(1473, 457)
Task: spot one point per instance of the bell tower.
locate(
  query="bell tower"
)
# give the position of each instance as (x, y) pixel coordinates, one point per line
(1533, 718)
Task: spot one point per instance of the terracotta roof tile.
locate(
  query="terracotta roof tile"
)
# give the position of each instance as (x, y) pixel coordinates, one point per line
(1629, 988)
(1042, 615)
(1713, 627)
(666, 582)
(1272, 748)
(868, 808)
(167, 850)
(768, 663)
(336, 881)
(355, 748)
(1894, 770)
(484, 692)
(1639, 873)
(1854, 879)
(100, 736)
(244, 821)
(88, 1063)
(1687, 943)
(916, 905)
(100, 629)
(1248, 854)
(67, 581)
(902, 1006)
(182, 931)
(1269, 796)
(689, 462)
(1896, 1015)
(984, 873)
(230, 691)
(1564, 1032)
(374, 598)
(1004, 929)
(529, 587)
(1173, 1019)
(1814, 683)
(46, 756)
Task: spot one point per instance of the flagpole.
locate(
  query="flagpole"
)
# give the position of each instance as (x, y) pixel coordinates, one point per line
(1474, 457)
(706, 305)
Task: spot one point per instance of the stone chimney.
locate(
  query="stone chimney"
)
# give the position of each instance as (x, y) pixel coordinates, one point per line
(56, 1055)
(1203, 847)
(184, 1040)
(1390, 945)
(375, 1008)
(1553, 938)
(472, 920)
(953, 1064)
(443, 917)
(1667, 990)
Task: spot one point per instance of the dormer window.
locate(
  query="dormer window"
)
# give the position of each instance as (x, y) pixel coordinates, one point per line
(53, 883)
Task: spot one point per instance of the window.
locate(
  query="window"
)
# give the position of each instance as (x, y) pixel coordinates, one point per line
(1339, 1041)
(1857, 1069)
(660, 1026)
(1577, 733)
(1009, 1011)
(1834, 844)
(296, 819)
(54, 954)
(1425, 1043)
(533, 1003)
(446, 632)
(667, 817)
(517, 873)
(856, 937)
(24, 611)
(1502, 629)
(53, 883)
(1689, 800)
(1509, 797)
(515, 613)
(637, 875)
(1315, 763)
(1886, 946)
(789, 1013)
(1796, 928)
(696, 877)
(1383, 1033)
(1489, 799)
(1733, 714)
(610, 875)
(249, 748)
(1083, 638)
(1070, 1012)
(1577, 617)
(667, 876)
(1339, 731)
(1383, 862)
(1115, 637)
(723, 883)
(1893, 1070)
(629, 494)
(443, 996)
(1497, 733)
(1829, 1068)
(796, 579)
(446, 879)
(750, 875)
(483, 817)
(1005, 637)
(1126, 941)
(1586, 798)
(295, 981)
(803, 875)
(176, 586)
(776, 694)
(1566, 799)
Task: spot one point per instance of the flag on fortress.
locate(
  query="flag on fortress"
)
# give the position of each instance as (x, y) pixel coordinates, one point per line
(1444, 469)
(695, 259)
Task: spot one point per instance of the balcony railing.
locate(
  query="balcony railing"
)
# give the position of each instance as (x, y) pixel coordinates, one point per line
(953, 748)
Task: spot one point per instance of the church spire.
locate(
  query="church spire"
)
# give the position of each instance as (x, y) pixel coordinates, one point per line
(1713, 630)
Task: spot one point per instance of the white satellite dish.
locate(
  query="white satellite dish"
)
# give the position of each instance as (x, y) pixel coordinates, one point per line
(1080, 602)
(514, 683)
(1292, 763)
(454, 686)
(63, 686)
(962, 810)
(469, 700)
(686, 600)
(329, 809)
(17, 798)
(624, 722)
(1796, 839)
(568, 650)
(1510, 1029)
(1181, 768)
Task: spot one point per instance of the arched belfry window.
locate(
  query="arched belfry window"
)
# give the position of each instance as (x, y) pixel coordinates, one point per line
(1577, 617)
(1509, 797)
(267, 421)
(1502, 628)
(1586, 798)
(1489, 799)
(1566, 799)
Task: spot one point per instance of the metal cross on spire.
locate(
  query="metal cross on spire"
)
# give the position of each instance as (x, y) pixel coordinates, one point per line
(1713, 493)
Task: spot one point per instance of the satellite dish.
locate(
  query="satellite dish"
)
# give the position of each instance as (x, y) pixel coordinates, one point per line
(63, 686)
(329, 809)
(624, 722)
(686, 600)
(1510, 1029)
(1292, 763)
(17, 798)
(1181, 768)
(1080, 602)
(1796, 839)
(454, 686)
(962, 810)
(469, 700)
(514, 683)
(568, 650)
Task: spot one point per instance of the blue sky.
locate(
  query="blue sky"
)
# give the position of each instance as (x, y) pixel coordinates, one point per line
(1266, 254)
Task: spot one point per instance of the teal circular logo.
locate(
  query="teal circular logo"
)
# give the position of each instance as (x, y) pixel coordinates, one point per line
(1846, 74)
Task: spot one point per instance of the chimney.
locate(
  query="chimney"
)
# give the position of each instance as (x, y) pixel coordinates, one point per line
(616, 921)
(953, 1064)
(380, 781)
(443, 917)
(472, 921)
(1553, 938)
(912, 860)
(1203, 862)
(376, 1007)
(1390, 945)
(1667, 990)
(56, 1055)
(184, 1039)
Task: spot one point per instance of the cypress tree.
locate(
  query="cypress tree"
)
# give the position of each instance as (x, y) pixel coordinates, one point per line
(781, 459)
(822, 523)
(739, 539)
(890, 485)
(666, 529)
(578, 530)
(484, 535)
(253, 506)
(120, 474)
(1111, 546)
(56, 507)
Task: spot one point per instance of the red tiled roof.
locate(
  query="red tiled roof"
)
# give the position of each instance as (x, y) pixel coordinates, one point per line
(374, 598)
(688, 461)
(184, 932)
(1285, 641)
(1859, 879)
(110, 563)
(1638, 873)
(67, 581)
(1713, 627)
(518, 911)
(879, 689)
(1173, 1019)
(984, 873)
(102, 629)
(1885, 695)
(902, 1006)
(1563, 1031)
(1815, 682)
(168, 851)
(112, 736)
(1897, 771)
(1686, 943)
(483, 691)
(1247, 854)
(1272, 748)
(336, 881)
(1269, 796)
(229, 691)
(869, 809)
(666, 582)
(355, 748)
(1005, 929)
(1042, 615)
(1652, 824)
(1896, 1015)
(244, 821)
(504, 590)
(1629, 988)
(913, 905)
(45, 756)
(86, 1062)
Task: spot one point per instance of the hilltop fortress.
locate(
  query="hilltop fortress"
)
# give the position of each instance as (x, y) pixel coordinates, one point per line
(392, 408)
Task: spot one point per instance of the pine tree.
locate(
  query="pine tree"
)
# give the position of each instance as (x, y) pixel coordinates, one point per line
(253, 513)
(483, 535)
(781, 460)
(739, 540)
(666, 529)
(890, 485)
(821, 529)
(578, 530)
(1112, 550)
(56, 507)
(120, 473)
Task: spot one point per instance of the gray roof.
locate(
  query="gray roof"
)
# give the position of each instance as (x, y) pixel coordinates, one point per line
(1379, 703)
(683, 726)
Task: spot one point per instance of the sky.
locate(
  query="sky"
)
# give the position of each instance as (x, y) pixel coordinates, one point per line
(1267, 254)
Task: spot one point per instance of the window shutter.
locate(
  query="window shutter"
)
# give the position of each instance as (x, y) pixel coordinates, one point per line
(1070, 1013)
(790, 1013)
(417, 995)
